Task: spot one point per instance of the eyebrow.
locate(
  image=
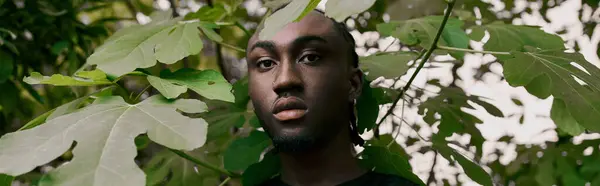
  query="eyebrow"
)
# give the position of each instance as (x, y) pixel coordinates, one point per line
(270, 45)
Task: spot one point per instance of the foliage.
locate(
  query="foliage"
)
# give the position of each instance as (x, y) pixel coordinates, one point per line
(80, 77)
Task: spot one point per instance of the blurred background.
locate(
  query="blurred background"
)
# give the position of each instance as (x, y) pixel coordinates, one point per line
(56, 36)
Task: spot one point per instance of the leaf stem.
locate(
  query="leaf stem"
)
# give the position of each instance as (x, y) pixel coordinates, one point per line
(232, 47)
(471, 51)
(225, 181)
(204, 164)
(425, 58)
(239, 25)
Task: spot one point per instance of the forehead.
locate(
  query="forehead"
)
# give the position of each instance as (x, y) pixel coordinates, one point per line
(313, 24)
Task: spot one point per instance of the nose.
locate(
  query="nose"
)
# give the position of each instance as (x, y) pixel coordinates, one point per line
(288, 79)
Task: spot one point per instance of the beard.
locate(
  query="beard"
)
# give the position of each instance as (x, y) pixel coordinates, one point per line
(294, 144)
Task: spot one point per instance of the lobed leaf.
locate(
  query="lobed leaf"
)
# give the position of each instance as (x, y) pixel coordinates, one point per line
(141, 46)
(559, 69)
(82, 78)
(506, 38)
(105, 149)
(278, 20)
(166, 88)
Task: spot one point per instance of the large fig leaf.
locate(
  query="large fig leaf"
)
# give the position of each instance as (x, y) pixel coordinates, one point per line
(141, 46)
(560, 70)
(286, 15)
(104, 132)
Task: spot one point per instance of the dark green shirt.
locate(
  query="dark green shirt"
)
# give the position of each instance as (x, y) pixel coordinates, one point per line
(370, 178)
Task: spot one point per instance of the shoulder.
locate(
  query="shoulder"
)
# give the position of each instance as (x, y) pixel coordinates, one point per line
(389, 179)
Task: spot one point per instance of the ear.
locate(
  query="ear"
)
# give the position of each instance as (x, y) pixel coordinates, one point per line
(356, 83)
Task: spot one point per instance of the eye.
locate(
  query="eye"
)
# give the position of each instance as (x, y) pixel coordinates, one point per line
(265, 64)
(309, 58)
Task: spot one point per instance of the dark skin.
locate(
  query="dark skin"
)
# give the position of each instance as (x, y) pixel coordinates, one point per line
(306, 66)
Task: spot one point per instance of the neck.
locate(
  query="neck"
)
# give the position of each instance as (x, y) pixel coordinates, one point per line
(332, 164)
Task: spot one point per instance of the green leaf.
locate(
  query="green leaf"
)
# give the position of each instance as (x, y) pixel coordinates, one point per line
(167, 168)
(166, 88)
(58, 47)
(141, 46)
(208, 83)
(276, 21)
(9, 96)
(388, 65)
(67, 108)
(6, 180)
(367, 109)
(262, 171)
(223, 118)
(105, 149)
(82, 78)
(386, 139)
(6, 66)
(506, 38)
(240, 92)
(387, 162)
(423, 30)
(183, 40)
(563, 119)
(254, 122)
(211, 34)
(246, 151)
(582, 101)
(545, 172)
(493, 110)
(341, 9)
(474, 171)
(208, 13)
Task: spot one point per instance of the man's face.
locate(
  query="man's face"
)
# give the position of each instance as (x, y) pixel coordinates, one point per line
(301, 83)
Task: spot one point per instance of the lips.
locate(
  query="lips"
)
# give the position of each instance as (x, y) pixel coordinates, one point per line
(289, 108)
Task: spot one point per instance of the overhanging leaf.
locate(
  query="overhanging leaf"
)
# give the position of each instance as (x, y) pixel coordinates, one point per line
(275, 22)
(246, 151)
(141, 46)
(389, 163)
(582, 101)
(388, 65)
(341, 9)
(223, 118)
(104, 132)
(208, 83)
(82, 78)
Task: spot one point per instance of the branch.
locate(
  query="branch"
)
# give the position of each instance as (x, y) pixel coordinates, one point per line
(425, 58)
(204, 164)
(471, 51)
(431, 178)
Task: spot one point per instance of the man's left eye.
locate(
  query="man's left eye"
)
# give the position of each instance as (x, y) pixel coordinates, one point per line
(309, 58)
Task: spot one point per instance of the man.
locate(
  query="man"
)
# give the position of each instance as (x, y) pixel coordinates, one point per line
(303, 83)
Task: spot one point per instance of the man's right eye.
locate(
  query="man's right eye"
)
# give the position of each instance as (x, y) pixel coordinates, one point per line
(265, 64)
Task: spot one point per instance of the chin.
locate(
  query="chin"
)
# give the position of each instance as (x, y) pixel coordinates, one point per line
(294, 143)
